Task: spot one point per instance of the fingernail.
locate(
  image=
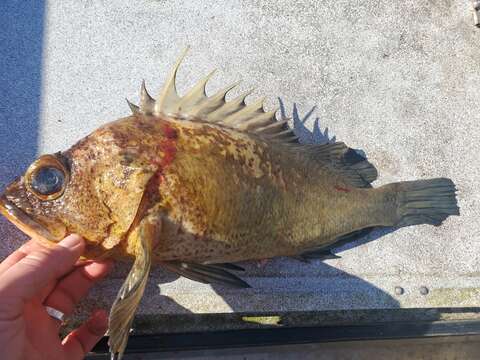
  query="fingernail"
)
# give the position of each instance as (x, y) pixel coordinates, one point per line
(98, 322)
(24, 248)
(97, 270)
(71, 241)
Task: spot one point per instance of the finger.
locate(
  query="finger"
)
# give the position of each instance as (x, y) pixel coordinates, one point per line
(17, 255)
(80, 341)
(32, 273)
(31, 246)
(75, 286)
(11, 260)
(43, 294)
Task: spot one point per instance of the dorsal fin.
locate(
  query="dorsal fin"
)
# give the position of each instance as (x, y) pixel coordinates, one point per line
(196, 105)
(356, 169)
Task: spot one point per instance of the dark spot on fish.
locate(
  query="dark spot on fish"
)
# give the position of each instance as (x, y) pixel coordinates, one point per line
(126, 173)
(145, 126)
(342, 189)
(152, 194)
(126, 158)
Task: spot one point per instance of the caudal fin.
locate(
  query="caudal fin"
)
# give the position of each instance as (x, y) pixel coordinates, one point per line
(425, 201)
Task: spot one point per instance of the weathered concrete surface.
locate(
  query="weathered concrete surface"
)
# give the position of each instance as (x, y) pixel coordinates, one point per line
(449, 348)
(399, 80)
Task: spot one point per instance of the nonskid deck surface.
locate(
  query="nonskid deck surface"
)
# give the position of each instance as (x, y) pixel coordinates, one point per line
(398, 82)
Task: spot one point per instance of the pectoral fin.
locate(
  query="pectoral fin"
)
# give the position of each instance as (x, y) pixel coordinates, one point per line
(130, 294)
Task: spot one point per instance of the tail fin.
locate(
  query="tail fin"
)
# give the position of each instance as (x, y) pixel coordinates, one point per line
(425, 201)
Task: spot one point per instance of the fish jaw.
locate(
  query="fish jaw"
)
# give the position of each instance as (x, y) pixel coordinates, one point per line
(26, 223)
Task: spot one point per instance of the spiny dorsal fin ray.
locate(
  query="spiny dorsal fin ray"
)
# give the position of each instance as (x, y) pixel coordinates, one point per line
(229, 108)
(147, 103)
(168, 98)
(258, 121)
(195, 96)
(207, 107)
(273, 127)
(135, 109)
(245, 113)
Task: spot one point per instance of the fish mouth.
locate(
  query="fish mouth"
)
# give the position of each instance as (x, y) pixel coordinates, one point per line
(24, 222)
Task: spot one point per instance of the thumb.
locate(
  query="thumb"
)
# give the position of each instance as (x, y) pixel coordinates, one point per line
(31, 274)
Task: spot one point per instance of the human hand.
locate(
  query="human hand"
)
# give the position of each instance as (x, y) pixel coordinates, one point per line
(34, 277)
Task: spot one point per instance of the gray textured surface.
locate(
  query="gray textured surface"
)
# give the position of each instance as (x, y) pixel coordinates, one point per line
(450, 348)
(399, 80)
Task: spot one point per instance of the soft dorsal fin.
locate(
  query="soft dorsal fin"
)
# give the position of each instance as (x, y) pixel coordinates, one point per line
(196, 105)
(356, 169)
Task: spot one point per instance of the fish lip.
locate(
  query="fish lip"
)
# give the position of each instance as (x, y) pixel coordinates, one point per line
(23, 221)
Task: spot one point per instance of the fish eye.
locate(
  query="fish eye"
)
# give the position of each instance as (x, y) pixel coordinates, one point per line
(47, 181)
(46, 178)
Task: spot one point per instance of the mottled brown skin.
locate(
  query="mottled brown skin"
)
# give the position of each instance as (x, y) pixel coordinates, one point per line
(219, 194)
(231, 196)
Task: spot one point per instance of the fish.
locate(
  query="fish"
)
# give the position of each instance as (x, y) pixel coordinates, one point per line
(196, 183)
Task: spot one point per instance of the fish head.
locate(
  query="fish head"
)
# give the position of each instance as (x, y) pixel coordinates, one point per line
(93, 189)
(31, 202)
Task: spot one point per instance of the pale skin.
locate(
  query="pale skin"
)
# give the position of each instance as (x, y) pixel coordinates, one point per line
(34, 277)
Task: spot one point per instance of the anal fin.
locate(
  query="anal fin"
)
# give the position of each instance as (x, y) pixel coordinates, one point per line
(325, 252)
(228, 266)
(321, 254)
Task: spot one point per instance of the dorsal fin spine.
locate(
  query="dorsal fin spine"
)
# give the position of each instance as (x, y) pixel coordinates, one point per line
(195, 96)
(168, 97)
(147, 103)
(260, 120)
(135, 109)
(245, 113)
(269, 128)
(231, 106)
(210, 104)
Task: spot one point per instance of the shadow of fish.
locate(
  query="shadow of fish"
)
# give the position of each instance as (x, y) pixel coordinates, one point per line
(195, 183)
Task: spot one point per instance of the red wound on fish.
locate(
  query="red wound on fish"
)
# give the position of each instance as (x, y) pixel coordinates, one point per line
(168, 149)
(168, 145)
(169, 132)
(342, 189)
